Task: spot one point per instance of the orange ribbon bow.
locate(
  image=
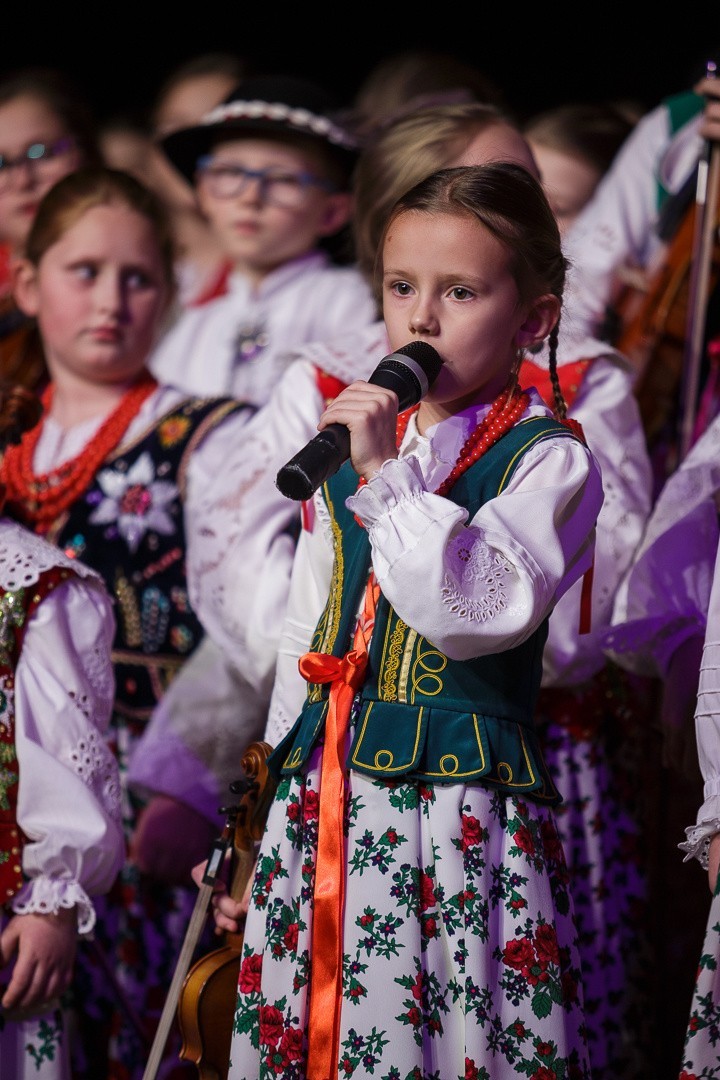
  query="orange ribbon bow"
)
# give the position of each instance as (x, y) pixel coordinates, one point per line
(345, 674)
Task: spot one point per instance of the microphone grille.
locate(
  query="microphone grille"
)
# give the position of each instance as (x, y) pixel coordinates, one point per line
(424, 355)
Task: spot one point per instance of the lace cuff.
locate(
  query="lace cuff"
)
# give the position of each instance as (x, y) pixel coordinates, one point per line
(398, 480)
(46, 896)
(698, 841)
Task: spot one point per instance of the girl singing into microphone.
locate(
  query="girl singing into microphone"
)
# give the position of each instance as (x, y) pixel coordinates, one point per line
(410, 912)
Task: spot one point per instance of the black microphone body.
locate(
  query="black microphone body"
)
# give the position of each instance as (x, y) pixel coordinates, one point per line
(409, 372)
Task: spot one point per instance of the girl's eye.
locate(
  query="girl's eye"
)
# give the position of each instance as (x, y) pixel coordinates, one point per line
(138, 279)
(401, 288)
(461, 293)
(85, 271)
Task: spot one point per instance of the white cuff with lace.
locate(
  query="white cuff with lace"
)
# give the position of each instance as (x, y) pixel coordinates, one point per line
(46, 896)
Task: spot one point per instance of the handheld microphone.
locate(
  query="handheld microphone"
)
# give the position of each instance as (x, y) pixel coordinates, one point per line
(409, 372)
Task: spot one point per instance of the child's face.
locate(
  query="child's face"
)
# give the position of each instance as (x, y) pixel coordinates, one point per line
(569, 182)
(447, 281)
(99, 294)
(26, 124)
(264, 225)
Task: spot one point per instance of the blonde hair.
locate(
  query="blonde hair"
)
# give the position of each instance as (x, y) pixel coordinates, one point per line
(404, 153)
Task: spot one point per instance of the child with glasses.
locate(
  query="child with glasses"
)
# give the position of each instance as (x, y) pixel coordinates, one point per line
(272, 168)
(46, 131)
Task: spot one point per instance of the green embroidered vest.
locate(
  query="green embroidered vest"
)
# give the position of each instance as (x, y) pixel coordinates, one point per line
(422, 716)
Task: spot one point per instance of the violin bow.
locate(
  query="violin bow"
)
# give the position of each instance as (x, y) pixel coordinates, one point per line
(706, 203)
(192, 936)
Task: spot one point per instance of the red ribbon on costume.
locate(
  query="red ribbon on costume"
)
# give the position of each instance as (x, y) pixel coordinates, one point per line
(345, 675)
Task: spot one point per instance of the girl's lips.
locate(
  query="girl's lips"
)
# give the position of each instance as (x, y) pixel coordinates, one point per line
(246, 226)
(105, 333)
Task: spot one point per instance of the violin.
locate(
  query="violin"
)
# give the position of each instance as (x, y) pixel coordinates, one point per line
(654, 326)
(202, 999)
(662, 327)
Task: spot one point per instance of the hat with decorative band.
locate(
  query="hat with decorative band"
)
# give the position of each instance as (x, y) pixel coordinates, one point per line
(270, 105)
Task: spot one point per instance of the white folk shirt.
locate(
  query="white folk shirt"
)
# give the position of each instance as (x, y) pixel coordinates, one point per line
(617, 226)
(604, 406)
(526, 548)
(707, 732)
(238, 343)
(663, 598)
(69, 788)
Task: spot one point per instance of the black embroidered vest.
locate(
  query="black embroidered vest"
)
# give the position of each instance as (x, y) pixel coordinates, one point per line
(129, 526)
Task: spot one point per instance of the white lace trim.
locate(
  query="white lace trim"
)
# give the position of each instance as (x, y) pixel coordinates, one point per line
(46, 896)
(100, 674)
(472, 563)
(24, 556)
(697, 845)
(94, 763)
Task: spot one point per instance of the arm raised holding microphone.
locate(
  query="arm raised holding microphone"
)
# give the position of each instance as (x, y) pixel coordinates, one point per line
(408, 373)
(263, 527)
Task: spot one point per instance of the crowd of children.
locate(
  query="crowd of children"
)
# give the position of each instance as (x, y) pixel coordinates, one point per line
(455, 647)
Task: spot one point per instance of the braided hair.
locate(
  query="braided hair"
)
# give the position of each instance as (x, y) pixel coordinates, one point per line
(511, 204)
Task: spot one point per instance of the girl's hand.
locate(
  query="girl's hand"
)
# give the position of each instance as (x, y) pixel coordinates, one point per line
(45, 947)
(370, 414)
(229, 914)
(710, 124)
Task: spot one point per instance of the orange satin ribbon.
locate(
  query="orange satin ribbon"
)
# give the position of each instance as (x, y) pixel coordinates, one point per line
(345, 674)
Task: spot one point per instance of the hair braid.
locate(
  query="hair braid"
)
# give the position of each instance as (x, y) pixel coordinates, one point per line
(560, 407)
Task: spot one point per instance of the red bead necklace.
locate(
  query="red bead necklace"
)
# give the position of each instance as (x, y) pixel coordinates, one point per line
(40, 500)
(503, 414)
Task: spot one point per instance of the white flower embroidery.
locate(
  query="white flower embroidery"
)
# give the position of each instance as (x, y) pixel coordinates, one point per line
(474, 584)
(136, 501)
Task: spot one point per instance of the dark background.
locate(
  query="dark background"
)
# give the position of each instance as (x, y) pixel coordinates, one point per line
(539, 56)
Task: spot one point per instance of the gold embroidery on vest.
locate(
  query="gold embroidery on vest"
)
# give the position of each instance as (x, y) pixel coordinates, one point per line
(504, 768)
(392, 655)
(331, 616)
(405, 666)
(426, 671)
(391, 757)
(449, 764)
(327, 628)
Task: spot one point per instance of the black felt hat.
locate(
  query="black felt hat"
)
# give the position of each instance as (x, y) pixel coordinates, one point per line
(272, 105)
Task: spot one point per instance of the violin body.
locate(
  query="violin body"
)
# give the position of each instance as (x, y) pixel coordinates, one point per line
(206, 1006)
(654, 324)
(206, 1028)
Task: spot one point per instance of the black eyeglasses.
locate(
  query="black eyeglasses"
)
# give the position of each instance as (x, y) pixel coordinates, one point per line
(41, 158)
(277, 187)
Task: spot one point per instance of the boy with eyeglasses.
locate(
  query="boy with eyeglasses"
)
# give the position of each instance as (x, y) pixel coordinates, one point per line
(272, 168)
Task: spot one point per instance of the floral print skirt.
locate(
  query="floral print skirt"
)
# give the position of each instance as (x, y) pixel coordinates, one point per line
(459, 954)
(597, 745)
(34, 1049)
(701, 1055)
